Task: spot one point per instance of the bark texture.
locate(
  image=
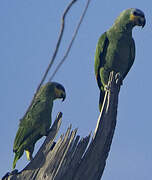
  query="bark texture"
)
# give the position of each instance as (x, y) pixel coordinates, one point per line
(72, 158)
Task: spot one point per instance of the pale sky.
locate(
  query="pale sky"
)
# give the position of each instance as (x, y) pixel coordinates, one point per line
(28, 34)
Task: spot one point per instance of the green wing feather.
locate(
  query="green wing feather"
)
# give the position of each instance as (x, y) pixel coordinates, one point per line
(100, 57)
(33, 121)
(132, 57)
(37, 121)
(100, 62)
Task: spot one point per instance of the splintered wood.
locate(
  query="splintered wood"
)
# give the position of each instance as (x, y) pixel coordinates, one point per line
(72, 157)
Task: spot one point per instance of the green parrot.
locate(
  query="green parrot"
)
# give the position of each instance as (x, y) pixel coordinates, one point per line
(37, 121)
(115, 50)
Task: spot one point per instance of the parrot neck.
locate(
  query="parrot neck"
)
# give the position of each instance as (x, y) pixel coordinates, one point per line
(123, 24)
(51, 99)
(49, 103)
(48, 100)
(121, 30)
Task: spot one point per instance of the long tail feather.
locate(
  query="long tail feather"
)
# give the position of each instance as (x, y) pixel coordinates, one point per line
(15, 160)
(18, 154)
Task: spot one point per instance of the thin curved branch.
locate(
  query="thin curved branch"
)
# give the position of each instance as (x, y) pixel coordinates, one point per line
(73, 158)
(55, 52)
(71, 43)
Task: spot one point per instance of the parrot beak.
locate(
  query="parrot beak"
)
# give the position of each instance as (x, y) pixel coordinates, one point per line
(140, 21)
(60, 92)
(143, 22)
(138, 18)
(63, 96)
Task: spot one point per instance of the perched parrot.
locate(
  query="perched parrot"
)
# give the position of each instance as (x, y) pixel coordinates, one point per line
(37, 121)
(115, 50)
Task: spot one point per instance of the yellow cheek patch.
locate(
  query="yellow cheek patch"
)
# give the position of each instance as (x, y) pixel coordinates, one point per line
(133, 18)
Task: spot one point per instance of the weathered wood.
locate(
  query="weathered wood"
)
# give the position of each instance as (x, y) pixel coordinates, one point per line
(70, 159)
(94, 161)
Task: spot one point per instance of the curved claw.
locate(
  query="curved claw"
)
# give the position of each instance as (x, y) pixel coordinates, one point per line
(106, 88)
(119, 79)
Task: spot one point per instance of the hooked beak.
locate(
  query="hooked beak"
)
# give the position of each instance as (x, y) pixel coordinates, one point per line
(63, 96)
(143, 23)
(138, 20)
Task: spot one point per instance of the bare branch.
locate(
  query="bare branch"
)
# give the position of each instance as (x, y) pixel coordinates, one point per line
(54, 54)
(72, 41)
(70, 158)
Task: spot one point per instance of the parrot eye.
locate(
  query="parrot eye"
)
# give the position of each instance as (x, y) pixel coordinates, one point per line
(135, 13)
(138, 13)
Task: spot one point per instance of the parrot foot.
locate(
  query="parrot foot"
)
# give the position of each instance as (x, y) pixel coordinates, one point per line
(119, 79)
(29, 155)
(107, 88)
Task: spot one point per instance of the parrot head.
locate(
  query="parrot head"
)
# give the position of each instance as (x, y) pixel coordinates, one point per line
(59, 91)
(53, 90)
(130, 18)
(137, 17)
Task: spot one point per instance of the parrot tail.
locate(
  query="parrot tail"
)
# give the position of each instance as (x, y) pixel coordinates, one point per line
(15, 160)
(102, 94)
(18, 154)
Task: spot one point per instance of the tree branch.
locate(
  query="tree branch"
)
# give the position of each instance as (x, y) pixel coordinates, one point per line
(70, 158)
(71, 42)
(54, 54)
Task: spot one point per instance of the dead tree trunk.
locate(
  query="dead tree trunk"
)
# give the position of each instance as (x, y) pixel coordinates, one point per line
(70, 159)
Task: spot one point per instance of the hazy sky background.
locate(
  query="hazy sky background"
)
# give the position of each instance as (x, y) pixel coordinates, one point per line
(28, 34)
